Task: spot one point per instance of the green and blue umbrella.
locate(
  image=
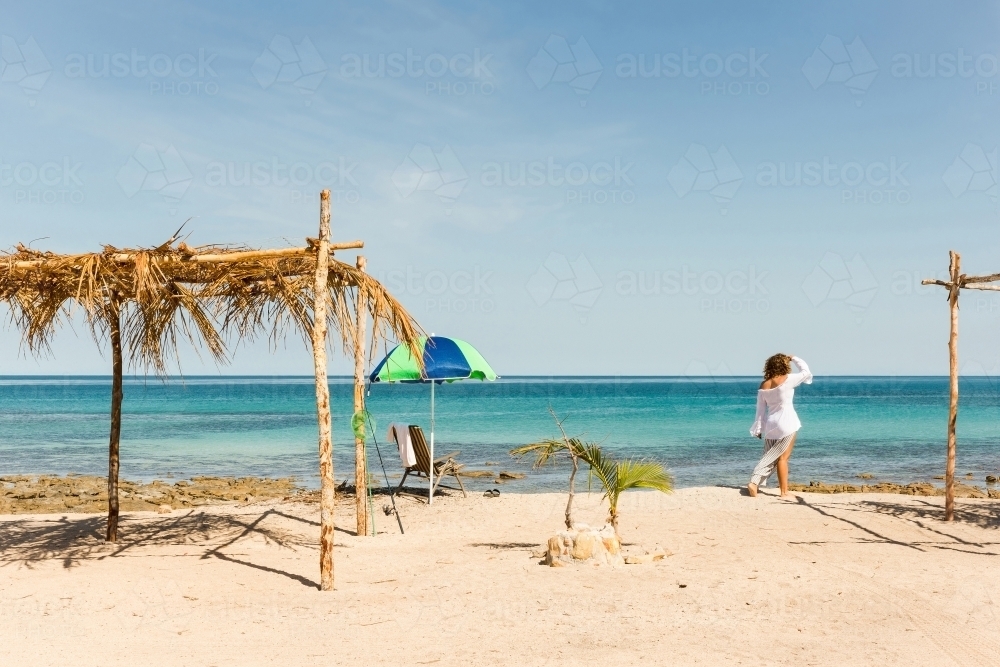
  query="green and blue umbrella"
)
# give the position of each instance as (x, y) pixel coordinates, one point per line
(445, 360)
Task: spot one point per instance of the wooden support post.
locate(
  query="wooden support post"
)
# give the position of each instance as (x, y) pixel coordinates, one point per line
(360, 456)
(949, 474)
(114, 326)
(321, 289)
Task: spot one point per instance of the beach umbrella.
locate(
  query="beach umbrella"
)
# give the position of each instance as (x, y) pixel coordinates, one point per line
(445, 360)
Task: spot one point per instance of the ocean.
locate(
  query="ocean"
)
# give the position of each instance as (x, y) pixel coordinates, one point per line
(892, 427)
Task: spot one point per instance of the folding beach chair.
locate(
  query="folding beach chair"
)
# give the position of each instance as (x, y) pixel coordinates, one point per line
(443, 465)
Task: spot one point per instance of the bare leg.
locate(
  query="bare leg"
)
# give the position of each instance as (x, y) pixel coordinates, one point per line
(783, 468)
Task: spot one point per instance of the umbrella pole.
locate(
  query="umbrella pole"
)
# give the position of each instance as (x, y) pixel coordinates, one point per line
(430, 492)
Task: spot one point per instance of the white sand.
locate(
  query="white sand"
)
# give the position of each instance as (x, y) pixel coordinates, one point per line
(845, 580)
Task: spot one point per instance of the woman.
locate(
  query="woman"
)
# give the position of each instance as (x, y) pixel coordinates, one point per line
(776, 421)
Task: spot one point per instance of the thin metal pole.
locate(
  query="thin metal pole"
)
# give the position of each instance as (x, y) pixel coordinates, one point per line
(388, 487)
(360, 454)
(430, 492)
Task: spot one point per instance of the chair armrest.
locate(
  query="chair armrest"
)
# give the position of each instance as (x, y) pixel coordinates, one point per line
(446, 457)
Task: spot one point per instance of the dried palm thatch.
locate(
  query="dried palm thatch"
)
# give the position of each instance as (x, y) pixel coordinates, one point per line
(146, 300)
(204, 295)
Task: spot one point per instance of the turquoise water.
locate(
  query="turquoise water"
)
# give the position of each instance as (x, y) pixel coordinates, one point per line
(893, 427)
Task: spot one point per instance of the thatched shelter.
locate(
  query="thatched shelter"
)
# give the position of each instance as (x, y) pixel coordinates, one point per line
(145, 300)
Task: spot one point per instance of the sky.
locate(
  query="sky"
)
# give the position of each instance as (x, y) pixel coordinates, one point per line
(578, 188)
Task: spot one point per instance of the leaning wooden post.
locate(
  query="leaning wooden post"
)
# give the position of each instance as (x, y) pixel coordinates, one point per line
(949, 474)
(360, 456)
(321, 289)
(114, 326)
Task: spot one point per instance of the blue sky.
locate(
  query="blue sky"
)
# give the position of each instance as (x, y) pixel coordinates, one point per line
(575, 188)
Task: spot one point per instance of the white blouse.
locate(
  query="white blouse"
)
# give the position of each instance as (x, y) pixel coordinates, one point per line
(776, 416)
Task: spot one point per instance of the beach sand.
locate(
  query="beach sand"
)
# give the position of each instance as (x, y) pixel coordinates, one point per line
(847, 579)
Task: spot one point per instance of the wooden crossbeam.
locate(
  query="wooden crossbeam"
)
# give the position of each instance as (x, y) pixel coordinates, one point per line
(969, 282)
(993, 277)
(194, 258)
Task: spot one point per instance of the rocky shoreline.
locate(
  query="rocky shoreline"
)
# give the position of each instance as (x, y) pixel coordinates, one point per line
(40, 494)
(35, 494)
(912, 489)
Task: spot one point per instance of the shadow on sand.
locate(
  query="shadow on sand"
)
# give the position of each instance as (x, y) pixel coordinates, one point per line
(928, 517)
(29, 541)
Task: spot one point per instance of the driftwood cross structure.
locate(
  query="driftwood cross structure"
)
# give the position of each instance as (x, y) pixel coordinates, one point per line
(143, 300)
(956, 282)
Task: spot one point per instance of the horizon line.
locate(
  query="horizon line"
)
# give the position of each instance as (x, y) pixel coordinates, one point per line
(722, 378)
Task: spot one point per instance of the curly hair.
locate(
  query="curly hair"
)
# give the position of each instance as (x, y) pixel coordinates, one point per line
(778, 364)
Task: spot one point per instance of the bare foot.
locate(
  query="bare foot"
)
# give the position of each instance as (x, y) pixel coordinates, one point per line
(752, 489)
(788, 496)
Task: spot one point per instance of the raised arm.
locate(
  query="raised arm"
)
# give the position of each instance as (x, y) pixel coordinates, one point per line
(758, 422)
(804, 376)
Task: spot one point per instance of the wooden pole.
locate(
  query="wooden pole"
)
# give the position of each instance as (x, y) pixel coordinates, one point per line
(326, 505)
(116, 417)
(949, 474)
(360, 456)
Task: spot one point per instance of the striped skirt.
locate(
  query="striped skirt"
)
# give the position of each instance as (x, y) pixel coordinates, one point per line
(773, 449)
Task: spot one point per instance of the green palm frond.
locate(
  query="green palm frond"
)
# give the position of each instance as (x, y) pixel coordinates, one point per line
(601, 466)
(640, 474)
(617, 477)
(545, 451)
